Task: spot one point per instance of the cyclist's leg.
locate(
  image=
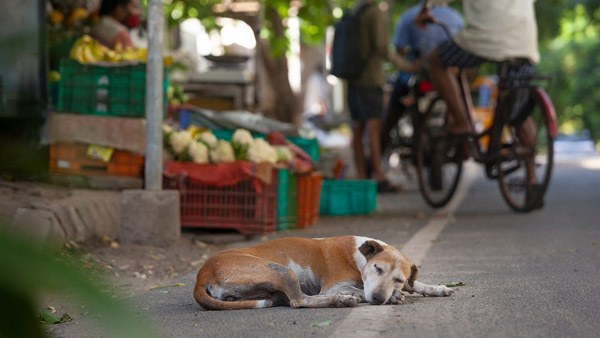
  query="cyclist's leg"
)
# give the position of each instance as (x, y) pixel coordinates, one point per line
(527, 133)
(440, 59)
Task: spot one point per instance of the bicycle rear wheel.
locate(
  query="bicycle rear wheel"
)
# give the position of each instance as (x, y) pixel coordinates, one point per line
(527, 156)
(438, 159)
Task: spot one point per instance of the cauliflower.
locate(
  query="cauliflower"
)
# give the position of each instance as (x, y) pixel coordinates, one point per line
(261, 151)
(284, 154)
(208, 138)
(180, 140)
(167, 129)
(223, 152)
(242, 137)
(198, 152)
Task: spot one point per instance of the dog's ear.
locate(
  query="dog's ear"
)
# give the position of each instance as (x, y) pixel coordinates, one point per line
(370, 249)
(414, 272)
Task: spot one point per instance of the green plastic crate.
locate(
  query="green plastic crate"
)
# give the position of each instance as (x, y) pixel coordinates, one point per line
(348, 197)
(104, 90)
(310, 146)
(286, 197)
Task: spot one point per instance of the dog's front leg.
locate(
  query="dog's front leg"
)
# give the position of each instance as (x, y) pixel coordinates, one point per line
(396, 298)
(428, 290)
(347, 290)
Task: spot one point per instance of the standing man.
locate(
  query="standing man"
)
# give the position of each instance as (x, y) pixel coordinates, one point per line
(365, 94)
(414, 43)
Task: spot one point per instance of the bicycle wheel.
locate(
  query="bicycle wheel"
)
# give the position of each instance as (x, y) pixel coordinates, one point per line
(527, 155)
(438, 159)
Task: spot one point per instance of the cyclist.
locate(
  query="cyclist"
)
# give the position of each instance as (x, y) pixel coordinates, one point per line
(412, 43)
(497, 30)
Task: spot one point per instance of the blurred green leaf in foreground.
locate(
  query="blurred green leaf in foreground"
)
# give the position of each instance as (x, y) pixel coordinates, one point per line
(27, 271)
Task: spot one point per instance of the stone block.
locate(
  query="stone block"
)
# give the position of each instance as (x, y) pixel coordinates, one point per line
(150, 217)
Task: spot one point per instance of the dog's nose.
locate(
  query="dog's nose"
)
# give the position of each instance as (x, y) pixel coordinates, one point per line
(377, 299)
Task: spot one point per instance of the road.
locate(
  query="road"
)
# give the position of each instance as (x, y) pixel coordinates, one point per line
(525, 275)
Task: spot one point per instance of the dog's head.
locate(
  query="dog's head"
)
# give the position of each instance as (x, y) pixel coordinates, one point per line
(386, 269)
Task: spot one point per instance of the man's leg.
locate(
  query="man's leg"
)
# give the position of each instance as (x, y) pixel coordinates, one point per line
(374, 131)
(358, 128)
(447, 85)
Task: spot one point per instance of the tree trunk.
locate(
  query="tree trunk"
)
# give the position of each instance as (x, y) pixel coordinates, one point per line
(286, 106)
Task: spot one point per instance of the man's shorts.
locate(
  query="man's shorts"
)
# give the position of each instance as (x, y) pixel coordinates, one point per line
(365, 102)
(454, 56)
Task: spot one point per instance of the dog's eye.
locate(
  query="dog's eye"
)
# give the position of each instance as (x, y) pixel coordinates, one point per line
(379, 270)
(398, 280)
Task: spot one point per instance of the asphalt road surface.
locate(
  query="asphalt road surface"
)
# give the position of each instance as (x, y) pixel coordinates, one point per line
(525, 275)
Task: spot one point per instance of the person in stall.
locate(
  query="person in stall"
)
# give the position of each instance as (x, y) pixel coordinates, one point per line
(117, 17)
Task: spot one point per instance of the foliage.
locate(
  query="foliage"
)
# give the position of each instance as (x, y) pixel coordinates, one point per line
(572, 58)
(29, 271)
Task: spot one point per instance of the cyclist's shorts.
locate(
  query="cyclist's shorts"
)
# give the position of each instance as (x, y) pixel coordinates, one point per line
(365, 102)
(453, 56)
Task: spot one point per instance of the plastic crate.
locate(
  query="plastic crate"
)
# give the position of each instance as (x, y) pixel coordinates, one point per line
(286, 200)
(118, 90)
(309, 193)
(348, 197)
(310, 146)
(248, 207)
(72, 158)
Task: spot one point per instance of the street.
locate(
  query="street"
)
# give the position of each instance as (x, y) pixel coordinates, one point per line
(525, 275)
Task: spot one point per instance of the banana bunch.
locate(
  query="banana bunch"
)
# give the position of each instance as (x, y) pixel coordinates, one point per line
(88, 50)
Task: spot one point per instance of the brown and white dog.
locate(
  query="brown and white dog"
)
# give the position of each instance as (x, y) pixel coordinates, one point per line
(300, 272)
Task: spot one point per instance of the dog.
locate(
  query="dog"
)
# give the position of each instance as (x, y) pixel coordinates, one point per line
(300, 272)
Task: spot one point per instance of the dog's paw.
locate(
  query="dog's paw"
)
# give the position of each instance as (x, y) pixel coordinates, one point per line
(341, 300)
(445, 291)
(438, 291)
(396, 298)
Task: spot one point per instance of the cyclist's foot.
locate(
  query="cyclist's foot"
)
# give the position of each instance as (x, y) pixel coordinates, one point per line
(386, 187)
(534, 195)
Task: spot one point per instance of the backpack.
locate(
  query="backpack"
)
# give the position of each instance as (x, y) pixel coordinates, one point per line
(347, 61)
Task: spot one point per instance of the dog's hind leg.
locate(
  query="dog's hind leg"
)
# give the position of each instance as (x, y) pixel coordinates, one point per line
(252, 282)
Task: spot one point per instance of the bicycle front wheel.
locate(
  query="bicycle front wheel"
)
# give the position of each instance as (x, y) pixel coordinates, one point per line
(438, 159)
(527, 155)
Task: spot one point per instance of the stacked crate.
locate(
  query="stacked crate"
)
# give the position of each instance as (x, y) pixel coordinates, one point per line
(109, 91)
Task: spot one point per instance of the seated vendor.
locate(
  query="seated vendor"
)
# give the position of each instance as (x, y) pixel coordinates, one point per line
(116, 18)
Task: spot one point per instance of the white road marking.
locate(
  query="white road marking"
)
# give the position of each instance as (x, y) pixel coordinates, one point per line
(368, 318)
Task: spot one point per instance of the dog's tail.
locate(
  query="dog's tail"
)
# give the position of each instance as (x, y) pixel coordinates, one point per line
(209, 303)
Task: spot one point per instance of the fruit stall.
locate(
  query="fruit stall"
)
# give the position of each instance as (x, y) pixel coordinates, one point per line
(233, 169)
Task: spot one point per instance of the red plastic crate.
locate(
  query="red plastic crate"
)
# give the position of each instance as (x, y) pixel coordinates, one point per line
(247, 207)
(309, 197)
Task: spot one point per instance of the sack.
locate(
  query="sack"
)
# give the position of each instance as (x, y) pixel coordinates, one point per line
(347, 61)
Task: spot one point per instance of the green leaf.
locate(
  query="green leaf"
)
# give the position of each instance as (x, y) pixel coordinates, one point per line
(321, 324)
(48, 318)
(450, 285)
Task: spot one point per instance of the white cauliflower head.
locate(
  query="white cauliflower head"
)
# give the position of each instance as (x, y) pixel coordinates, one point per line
(261, 151)
(167, 128)
(208, 138)
(180, 140)
(242, 137)
(223, 152)
(198, 152)
(284, 153)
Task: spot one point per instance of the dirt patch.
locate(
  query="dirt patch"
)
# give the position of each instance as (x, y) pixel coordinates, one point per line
(142, 265)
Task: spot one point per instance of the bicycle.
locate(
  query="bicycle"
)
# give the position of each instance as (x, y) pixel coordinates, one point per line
(512, 155)
(399, 150)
